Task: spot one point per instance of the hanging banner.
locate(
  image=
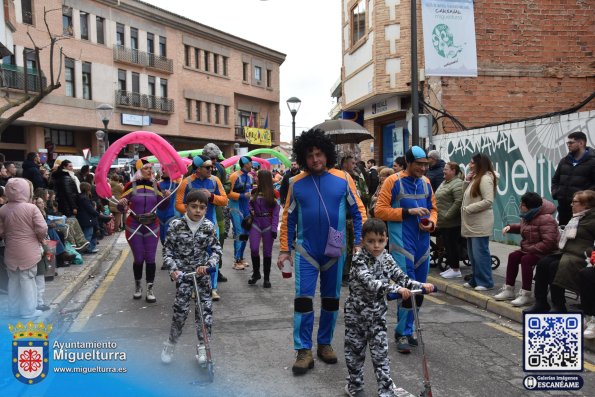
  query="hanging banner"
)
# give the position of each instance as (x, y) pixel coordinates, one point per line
(257, 136)
(449, 38)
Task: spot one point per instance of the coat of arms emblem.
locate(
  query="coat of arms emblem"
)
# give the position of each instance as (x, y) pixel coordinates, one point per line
(30, 351)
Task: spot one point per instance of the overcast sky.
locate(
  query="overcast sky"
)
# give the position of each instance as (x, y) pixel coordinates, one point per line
(307, 31)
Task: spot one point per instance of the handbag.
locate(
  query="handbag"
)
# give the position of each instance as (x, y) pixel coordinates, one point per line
(334, 240)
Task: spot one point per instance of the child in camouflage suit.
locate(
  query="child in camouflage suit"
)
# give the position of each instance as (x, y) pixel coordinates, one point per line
(191, 245)
(372, 274)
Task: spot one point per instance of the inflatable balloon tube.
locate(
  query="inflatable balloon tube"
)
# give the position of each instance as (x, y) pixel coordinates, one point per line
(164, 152)
(233, 160)
(183, 154)
(286, 162)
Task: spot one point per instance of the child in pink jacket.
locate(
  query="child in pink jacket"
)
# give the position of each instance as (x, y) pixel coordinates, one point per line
(23, 229)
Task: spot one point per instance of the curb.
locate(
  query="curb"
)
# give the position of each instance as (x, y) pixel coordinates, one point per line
(60, 301)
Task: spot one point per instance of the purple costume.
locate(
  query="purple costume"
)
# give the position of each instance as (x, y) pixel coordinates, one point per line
(266, 220)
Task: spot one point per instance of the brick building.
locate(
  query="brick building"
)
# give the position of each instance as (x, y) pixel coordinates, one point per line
(160, 71)
(533, 57)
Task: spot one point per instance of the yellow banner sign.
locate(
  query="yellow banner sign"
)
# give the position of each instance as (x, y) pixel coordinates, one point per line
(257, 136)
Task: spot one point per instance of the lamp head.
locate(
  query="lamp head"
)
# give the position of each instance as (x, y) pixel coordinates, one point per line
(293, 104)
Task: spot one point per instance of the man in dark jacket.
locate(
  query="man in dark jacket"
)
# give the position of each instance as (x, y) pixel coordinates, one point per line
(436, 171)
(31, 170)
(575, 172)
(293, 171)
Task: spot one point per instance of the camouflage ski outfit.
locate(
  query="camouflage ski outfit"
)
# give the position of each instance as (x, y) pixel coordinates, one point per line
(184, 251)
(365, 317)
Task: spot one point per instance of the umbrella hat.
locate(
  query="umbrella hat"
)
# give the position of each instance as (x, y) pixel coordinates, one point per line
(344, 131)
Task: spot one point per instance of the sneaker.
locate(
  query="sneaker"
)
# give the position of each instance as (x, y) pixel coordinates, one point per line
(326, 354)
(93, 251)
(303, 362)
(590, 329)
(505, 294)
(150, 294)
(238, 265)
(412, 341)
(524, 298)
(167, 354)
(482, 288)
(221, 278)
(82, 247)
(43, 308)
(446, 271)
(214, 295)
(451, 273)
(201, 354)
(467, 285)
(403, 346)
(357, 393)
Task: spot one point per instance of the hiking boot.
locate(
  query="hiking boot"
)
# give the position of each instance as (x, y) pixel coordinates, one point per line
(201, 354)
(303, 362)
(167, 354)
(255, 277)
(238, 265)
(150, 295)
(214, 295)
(525, 298)
(266, 284)
(505, 294)
(412, 341)
(138, 290)
(326, 354)
(403, 346)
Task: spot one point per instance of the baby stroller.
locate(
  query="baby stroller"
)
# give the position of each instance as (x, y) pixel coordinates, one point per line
(438, 254)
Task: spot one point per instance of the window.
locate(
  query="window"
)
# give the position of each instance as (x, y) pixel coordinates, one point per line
(163, 84)
(215, 63)
(150, 43)
(120, 34)
(84, 25)
(87, 80)
(208, 107)
(59, 137)
(67, 21)
(207, 55)
(134, 38)
(162, 46)
(30, 60)
(257, 73)
(358, 22)
(198, 115)
(69, 76)
(197, 58)
(244, 119)
(10, 58)
(121, 80)
(224, 66)
(100, 23)
(244, 71)
(217, 114)
(226, 115)
(188, 109)
(152, 91)
(269, 78)
(187, 50)
(135, 89)
(26, 11)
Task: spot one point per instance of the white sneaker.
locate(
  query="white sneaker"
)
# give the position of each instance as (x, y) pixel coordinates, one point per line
(201, 354)
(451, 273)
(590, 330)
(482, 288)
(467, 285)
(524, 298)
(446, 271)
(507, 293)
(214, 295)
(167, 354)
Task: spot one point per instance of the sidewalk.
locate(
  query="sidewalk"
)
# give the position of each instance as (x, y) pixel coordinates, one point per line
(67, 282)
(485, 300)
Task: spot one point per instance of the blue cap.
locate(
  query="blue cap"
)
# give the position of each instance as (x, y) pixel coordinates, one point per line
(415, 153)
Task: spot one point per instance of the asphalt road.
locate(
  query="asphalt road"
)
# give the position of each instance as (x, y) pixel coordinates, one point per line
(471, 352)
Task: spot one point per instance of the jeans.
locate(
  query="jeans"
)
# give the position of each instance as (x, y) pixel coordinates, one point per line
(481, 261)
(22, 292)
(90, 237)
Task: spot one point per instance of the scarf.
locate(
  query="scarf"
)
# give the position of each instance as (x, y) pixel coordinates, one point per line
(529, 215)
(569, 232)
(193, 225)
(75, 179)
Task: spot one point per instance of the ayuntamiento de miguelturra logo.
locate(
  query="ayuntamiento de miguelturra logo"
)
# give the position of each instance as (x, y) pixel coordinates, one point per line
(30, 351)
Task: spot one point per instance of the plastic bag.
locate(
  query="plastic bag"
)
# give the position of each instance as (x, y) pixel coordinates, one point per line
(78, 258)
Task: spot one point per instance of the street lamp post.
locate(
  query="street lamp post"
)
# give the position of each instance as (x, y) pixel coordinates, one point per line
(414, 76)
(105, 112)
(293, 104)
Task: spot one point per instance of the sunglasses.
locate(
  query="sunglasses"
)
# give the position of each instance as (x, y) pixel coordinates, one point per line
(208, 167)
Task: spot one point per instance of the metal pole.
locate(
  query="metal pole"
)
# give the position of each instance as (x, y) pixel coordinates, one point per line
(292, 127)
(414, 77)
(103, 142)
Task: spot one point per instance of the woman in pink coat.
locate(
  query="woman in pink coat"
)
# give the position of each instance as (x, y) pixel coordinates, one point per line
(539, 237)
(23, 229)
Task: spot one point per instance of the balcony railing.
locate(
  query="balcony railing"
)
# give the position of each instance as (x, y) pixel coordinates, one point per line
(12, 76)
(137, 57)
(149, 102)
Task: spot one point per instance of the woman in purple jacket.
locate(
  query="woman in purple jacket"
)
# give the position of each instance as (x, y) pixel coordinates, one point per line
(265, 212)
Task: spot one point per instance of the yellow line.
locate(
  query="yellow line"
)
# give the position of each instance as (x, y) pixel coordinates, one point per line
(587, 365)
(434, 300)
(85, 314)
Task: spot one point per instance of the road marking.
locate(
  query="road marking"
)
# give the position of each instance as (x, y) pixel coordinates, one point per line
(587, 365)
(434, 299)
(85, 314)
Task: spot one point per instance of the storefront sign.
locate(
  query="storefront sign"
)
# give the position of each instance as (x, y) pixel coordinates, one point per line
(135, 119)
(380, 108)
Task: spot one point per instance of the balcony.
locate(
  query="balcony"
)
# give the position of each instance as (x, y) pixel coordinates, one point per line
(146, 59)
(12, 76)
(142, 101)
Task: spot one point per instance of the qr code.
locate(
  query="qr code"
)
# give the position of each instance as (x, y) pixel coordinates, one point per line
(553, 342)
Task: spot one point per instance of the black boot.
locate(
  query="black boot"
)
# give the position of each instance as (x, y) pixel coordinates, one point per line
(220, 277)
(558, 299)
(255, 270)
(541, 284)
(266, 265)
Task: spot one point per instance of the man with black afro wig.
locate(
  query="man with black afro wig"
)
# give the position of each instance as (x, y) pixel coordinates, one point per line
(315, 208)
